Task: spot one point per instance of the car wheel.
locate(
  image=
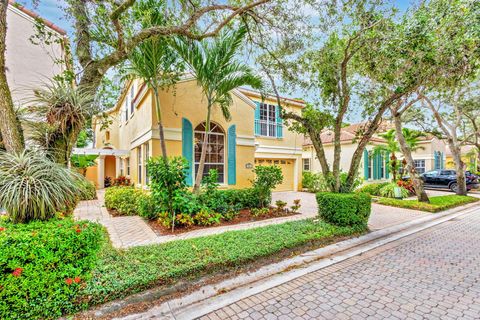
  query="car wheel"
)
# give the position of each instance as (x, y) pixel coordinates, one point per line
(454, 187)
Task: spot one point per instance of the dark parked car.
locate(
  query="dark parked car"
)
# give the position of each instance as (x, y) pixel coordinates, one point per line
(447, 179)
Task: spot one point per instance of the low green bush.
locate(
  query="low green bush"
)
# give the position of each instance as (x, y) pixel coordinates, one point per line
(372, 189)
(388, 191)
(125, 200)
(44, 265)
(314, 182)
(147, 207)
(243, 198)
(436, 204)
(123, 272)
(344, 209)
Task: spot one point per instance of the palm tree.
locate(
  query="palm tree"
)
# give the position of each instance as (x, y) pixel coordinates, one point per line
(217, 71)
(390, 148)
(412, 138)
(155, 63)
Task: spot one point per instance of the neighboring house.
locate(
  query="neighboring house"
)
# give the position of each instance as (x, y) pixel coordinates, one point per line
(374, 165)
(469, 157)
(28, 65)
(255, 135)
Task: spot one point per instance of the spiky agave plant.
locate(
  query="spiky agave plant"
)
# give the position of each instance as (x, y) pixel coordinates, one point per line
(59, 113)
(32, 187)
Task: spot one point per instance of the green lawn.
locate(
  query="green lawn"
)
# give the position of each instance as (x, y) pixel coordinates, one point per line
(122, 272)
(436, 204)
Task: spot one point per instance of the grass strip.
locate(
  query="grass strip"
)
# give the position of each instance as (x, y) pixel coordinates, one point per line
(437, 204)
(122, 272)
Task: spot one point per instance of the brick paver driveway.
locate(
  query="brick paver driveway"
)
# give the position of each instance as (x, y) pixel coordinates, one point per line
(434, 274)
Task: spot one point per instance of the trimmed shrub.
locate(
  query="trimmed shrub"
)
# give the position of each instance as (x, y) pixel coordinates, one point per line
(43, 266)
(242, 198)
(125, 200)
(32, 187)
(344, 209)
(147, 207)
(372, 189)
(388, 191)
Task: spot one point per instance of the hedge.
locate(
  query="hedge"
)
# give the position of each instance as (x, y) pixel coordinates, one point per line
(125, 200)
(344, 209)
(43, 266)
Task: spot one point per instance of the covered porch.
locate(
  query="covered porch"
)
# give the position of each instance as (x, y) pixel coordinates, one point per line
(109, 162)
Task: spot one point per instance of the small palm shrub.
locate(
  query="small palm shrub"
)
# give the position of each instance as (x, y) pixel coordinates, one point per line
(32, 187)
(388, 191)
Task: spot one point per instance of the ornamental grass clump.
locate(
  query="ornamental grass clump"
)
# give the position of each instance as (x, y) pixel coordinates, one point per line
(32, 187)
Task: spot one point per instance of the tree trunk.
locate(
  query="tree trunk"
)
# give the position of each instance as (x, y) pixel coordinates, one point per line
(407, 153)
(201, 165)
(9, 128)
(459, 168)
(160, 123)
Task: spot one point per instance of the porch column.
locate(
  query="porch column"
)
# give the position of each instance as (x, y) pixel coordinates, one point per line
(101, 172)
(118, 163)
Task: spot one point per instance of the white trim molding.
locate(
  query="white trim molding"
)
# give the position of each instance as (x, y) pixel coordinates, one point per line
(248, 141)
(282, 150)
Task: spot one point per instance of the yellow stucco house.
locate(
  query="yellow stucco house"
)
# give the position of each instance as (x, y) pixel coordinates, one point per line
(469, 157)
(256, 135)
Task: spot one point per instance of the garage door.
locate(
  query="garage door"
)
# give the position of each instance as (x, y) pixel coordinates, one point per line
(287, 166)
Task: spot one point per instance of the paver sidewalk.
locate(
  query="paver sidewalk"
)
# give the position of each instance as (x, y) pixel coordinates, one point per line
(433, 274)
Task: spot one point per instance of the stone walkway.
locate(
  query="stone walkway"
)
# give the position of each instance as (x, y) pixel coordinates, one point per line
(124, 232)
(130, 231)
(433, 274)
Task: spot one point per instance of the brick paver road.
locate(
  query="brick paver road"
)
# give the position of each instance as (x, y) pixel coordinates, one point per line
(434, 274)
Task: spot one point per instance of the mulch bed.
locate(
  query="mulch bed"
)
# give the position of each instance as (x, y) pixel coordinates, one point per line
(244, 216)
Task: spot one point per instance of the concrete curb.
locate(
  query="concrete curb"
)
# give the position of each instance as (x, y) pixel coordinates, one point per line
(213, 297)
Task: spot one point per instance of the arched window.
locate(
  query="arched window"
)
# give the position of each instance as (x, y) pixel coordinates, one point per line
(215, 158)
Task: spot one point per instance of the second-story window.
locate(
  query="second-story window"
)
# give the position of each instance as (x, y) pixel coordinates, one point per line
(268, 122)
(132, 97)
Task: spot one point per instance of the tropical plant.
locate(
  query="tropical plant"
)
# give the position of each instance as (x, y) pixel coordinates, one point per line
(154, 62)
(266, 179)
(388, 191)
(64, 109)
(412, 138)
(167, 182)
(314, 182)
(32, 187)
(218, 72)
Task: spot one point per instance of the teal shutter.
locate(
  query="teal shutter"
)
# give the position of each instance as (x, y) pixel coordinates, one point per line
(257, 119)
(375, 165)
(232, 155)
(435, 160)
(187, 148)
(279, 122)
(387, 165)
(442, 161)
(365, 164)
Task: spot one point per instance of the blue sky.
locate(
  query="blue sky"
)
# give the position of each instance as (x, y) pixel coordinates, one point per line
(52, 10)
